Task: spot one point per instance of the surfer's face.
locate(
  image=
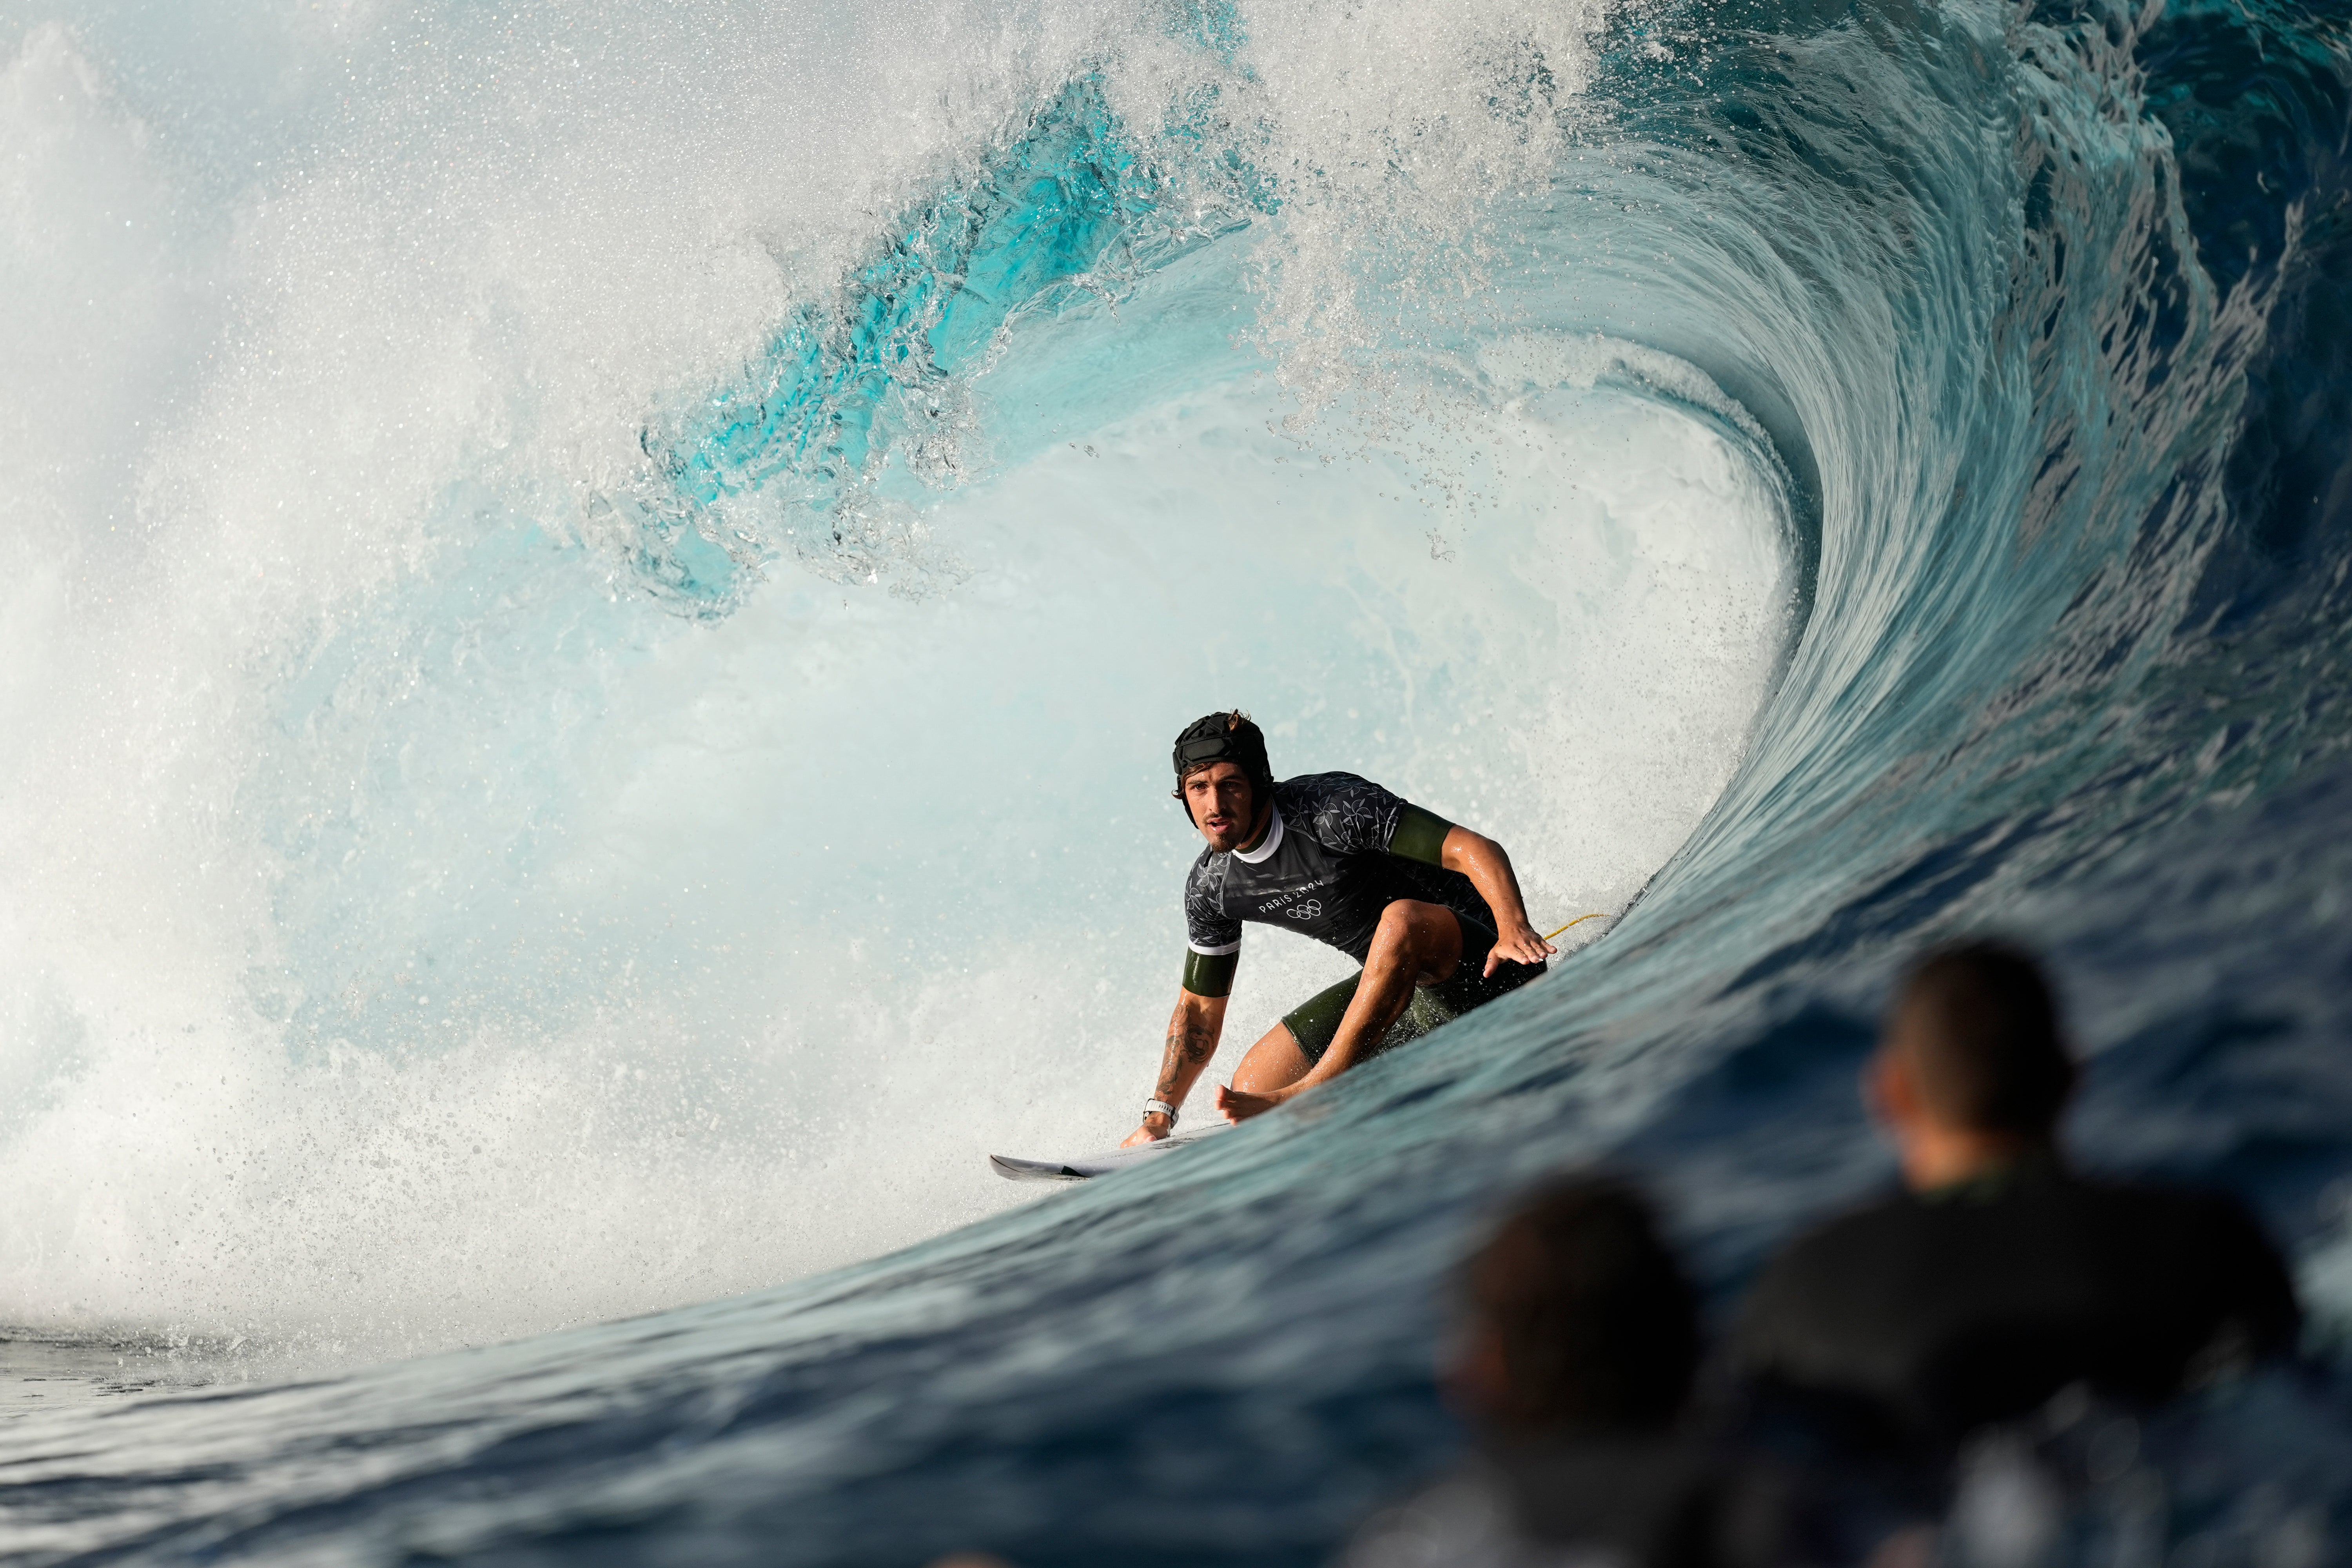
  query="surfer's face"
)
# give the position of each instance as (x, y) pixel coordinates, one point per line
(1219, 799)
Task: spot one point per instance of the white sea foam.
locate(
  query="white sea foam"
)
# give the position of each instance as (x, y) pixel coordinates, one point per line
(409, 934)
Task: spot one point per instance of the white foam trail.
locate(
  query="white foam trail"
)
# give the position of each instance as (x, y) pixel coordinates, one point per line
(410, 935)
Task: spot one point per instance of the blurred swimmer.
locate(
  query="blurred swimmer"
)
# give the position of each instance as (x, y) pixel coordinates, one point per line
(1574, 1369)
(1432, 910)
(1998, 1276)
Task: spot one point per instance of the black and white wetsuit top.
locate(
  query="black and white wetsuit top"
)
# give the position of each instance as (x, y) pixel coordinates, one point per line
(1324, 869)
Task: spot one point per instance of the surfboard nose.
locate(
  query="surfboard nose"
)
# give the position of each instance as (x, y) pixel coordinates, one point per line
(1013, 1170)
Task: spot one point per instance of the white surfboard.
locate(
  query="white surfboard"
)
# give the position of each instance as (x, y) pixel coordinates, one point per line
(1013, 1168)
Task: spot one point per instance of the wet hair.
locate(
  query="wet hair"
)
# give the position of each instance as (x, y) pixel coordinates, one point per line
(1229, 737)
(1597, 1324)
(1987, 1052)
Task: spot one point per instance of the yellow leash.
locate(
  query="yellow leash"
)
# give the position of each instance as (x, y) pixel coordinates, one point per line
(1577, 921)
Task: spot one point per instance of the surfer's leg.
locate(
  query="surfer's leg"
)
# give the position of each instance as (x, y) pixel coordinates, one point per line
(1289, 1050)
(1354, 1020)
(1275, 1062)
(1470, 986)
(1292, 1047)
(1416, 944)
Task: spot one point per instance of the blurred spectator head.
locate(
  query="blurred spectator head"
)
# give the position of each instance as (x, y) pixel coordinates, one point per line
(1578, 1320)
(1974, 1034)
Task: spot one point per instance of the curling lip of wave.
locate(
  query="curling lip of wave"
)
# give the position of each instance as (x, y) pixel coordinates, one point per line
(517, 930)
(1069, 207)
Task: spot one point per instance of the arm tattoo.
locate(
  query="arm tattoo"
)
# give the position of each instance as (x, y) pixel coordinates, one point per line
(1191, 1043)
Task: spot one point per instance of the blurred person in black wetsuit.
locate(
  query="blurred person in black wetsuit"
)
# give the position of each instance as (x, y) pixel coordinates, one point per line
(1997, 1276)
(1575, 1369)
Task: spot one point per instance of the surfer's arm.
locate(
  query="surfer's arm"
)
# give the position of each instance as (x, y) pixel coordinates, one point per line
(1193, 1034)
(1482, 860)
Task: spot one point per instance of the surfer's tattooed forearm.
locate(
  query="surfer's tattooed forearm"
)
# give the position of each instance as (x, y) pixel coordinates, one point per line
(1193, 1039)
(1190, 1043)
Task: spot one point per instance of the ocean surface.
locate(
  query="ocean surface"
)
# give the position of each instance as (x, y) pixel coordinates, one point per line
(597, 593)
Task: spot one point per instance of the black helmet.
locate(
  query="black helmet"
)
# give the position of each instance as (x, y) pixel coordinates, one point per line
(1223, 738)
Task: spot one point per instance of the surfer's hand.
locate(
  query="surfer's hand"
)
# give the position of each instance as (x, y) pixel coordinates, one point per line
(1155, 1127)
(1521, 945)
(1240, 1104)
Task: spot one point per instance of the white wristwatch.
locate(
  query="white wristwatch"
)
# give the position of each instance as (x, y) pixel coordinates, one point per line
(1162, 1107)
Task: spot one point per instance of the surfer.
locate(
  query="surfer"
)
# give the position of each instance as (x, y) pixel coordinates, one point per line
(1998, 1276)
(1430, 910)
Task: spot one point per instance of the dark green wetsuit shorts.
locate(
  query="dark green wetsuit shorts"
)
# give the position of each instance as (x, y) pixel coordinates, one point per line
(1315, 1022)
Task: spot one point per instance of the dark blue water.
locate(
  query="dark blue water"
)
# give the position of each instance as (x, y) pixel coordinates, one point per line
(2047, 311)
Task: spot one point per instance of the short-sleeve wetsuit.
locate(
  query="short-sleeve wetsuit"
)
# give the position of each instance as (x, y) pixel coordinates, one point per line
(1338, 850)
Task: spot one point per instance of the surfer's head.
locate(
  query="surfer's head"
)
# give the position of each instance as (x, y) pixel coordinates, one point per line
(1580, 1319)
(1972, 1067)
(1223, 779)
